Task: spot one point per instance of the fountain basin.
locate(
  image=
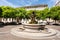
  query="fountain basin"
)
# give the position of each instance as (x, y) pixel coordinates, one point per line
(31, 35)
(34, 26)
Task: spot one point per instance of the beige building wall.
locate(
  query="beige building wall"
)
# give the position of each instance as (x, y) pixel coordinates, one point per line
(57, 3)
(39, 8)
(36, 7)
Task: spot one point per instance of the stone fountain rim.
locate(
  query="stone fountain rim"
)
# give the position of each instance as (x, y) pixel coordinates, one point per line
(33, 24)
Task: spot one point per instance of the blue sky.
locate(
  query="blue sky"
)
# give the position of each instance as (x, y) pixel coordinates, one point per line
(19, 3)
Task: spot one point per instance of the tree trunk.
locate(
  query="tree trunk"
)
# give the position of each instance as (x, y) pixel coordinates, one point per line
(17, 20)
(26, 20)
(0, 19)
(6, 19)
(49, 19)
(9, 19)
(12, 19)
(55, 21)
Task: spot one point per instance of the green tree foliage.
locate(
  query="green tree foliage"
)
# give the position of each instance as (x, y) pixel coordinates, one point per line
(0, 12)
(55, 12)
(7, 11)
(28, 14)
(22, 13)
(42, 14)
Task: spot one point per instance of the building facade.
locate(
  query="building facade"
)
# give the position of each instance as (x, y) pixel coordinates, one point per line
(57, 3)
(36, 7)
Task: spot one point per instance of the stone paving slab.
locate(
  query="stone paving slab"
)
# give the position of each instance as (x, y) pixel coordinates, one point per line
(8, 36)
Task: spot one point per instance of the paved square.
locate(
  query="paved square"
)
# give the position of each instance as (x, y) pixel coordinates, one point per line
(5, 32)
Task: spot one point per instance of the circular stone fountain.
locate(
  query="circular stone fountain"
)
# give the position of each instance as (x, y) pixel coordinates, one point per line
(33, 30)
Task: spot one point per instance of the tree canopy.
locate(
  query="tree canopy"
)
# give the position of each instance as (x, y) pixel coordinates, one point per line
(22, 13)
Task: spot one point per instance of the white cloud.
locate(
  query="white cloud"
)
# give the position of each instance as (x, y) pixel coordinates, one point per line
(26, 2)
(22, 2)
(6, 3)
(57, 1)
(18, 2)
(53, 2)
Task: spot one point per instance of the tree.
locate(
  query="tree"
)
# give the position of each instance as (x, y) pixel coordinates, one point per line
(28, 14)
(20, 14)
(8, 12)
(0, 14)
(55, 13)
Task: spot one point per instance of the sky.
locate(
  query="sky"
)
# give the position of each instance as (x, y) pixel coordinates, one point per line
(20, 3)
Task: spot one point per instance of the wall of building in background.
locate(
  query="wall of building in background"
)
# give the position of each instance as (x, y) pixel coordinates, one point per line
(39, 8)
(57, 3)
(36, 7)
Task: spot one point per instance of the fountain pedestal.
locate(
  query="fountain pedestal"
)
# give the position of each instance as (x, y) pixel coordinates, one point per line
(33, 27)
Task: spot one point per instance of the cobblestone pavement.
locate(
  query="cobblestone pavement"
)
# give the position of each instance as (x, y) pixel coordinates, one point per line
(5, 32)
